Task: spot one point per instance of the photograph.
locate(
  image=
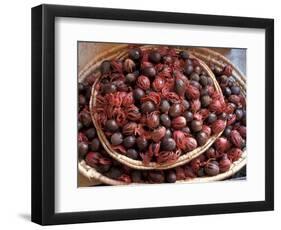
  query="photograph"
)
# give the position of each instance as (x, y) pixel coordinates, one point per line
(154, 114)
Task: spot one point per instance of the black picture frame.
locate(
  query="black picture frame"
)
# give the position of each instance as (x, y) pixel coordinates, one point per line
(43, 110)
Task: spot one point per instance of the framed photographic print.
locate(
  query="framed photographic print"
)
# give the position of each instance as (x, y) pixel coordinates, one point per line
(142, 114)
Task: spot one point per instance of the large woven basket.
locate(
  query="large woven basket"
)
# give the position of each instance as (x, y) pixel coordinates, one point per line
(121, 53)
(209, 57)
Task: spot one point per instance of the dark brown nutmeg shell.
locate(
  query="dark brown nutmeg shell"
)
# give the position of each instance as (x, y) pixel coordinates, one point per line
(156, 176)
(180, 87)
(201, 138)
(212, 168)
(211, 153)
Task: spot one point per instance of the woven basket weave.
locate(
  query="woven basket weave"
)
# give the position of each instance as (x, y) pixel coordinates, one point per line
(209, 57)
(137, 164)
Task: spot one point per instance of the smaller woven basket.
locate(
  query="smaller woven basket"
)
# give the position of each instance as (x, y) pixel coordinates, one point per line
(137, 164)
(209, 57)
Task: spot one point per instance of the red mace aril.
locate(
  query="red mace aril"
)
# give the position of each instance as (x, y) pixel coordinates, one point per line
(153, 149)
(143, 82)
(129, 128)
(119, 148)
(156, 176)
(192, 92)
(179, 122)
(206, 129)
(202, 158)
(158, 134)
(125, 178)
(121, 118)
(204, 113)
(142, 120)
(195, 164)
(114, 98)
(146, 64)
(158, 84)
(171, 96)
(195, 105)
(227, 70)
(82, 137)
(216, 106)
(180, 139)
(128, 99)
(129, 65)
(231, 119)
(180, 173)
(92, 159)
(197, 116)
(243, 131)
(234, 154)
(91, 79)
(189, 172)
(146, 158)
(211, 90)
(116, 66)
(230, 107)
(236, 138)
(168, 157)
(234, 99)
(105, 161)
(224, 164)
(190, 144)
(152, 96)
(222, 144)
(152, 120)
(218, 126)
(242, 100)
(195, 62)
(133, 113)
(177, 63)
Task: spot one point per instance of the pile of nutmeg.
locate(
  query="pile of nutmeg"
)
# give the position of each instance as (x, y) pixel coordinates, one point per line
(156, 105)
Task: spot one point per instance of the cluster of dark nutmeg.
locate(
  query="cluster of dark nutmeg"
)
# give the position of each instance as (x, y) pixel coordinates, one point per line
(157, 104)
